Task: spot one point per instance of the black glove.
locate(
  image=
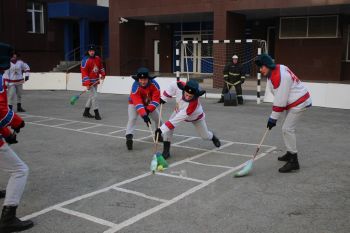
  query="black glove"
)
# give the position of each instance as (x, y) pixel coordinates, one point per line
(158, 133)
(12, 139)
(162, 101)
(26, 78)
(242, 80)
(271, 123)
(18, 129)
(146, 120)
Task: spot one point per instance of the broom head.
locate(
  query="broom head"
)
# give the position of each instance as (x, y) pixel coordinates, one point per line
(245, 170)
(74, 99)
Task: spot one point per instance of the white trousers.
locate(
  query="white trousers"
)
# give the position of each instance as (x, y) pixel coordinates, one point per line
(18, 170)
(200, 126)
(13, 92)
(92, 100)
(133, 114)
(289, 128)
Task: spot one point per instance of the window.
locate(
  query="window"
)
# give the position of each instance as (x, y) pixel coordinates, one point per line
(35, 17)
(309, 27)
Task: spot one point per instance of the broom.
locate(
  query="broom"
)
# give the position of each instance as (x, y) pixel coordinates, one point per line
(249, 164)
(75, 98)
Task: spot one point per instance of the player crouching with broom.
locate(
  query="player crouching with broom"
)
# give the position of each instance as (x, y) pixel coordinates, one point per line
(290, 95)
(188, 109)
(144, 100)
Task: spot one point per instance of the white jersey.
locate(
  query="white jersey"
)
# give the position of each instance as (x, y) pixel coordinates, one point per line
(188, 111)
(14, 75)
(289, 92)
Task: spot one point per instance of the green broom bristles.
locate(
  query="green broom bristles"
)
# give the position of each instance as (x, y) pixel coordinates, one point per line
(74, 99)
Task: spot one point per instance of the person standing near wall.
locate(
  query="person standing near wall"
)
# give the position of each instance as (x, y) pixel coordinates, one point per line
(14, 79)
(290, 95)
(92, 71)
(9, 160)
(233, 76)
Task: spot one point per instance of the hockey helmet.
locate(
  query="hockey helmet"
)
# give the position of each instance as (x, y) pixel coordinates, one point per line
(265, 60)
(5, 56)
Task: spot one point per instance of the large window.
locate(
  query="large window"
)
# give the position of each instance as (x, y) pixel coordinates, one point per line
(35, 17)
(309, 27)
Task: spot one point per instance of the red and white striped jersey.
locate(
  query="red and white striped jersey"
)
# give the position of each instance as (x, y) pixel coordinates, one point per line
(185, 110)
(14, 75)
(289, 92)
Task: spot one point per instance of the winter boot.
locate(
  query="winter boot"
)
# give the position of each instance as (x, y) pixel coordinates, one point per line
(87, 113)
(216, 141)
(240, 100)
(291, 165)
(97, 115)
(2, 193)
(10, 223)
(10, 107)
(285, 157)
(19, 108)
(129, 141)
(221, 100)
(166, 150)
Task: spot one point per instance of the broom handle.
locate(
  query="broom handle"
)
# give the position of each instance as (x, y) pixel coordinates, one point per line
(90, 86)
(261, 142)
(160, 118)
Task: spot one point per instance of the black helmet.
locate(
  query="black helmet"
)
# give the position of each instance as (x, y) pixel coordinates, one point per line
(92, 47)
(5, 56)
(142, 72)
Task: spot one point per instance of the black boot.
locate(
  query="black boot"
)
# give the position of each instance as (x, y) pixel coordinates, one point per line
(216, 141)
(2, 193)
(166, 150)
(19, 108)
(221, 100)
(291, 165)
(240, 100)
(129, 141)
(10, 223)
(285, 157)
(10, 107)
(97, 115)
(87, 113)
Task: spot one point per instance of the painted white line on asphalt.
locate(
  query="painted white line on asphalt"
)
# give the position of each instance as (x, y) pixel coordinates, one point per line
(87, 217)
(177, 198)
(120, 137)
(180, 142)
(90, 127)
(67, 123)
(143, 138)
(121, 130)
(179, 177)
(140, 194)
(235, 154)
(210, 165)
(39, 121)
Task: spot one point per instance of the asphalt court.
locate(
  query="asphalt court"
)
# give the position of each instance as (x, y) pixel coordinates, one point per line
(83, 179)
(146, 192)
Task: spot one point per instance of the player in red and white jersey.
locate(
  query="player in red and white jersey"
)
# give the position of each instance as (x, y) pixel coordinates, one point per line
(290, 95)
(14, 80)
(188, 109)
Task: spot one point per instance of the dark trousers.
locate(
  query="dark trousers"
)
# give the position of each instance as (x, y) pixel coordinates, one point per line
(238, 88)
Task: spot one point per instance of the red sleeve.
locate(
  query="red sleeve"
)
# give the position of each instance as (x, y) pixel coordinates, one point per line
(137, 100)
(155, 98)
(192, 107)
(102, 69)
(16, 121)
(5, 132)
(84, 68)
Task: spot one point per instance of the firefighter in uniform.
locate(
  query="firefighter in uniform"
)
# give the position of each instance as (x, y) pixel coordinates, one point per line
(233, 76)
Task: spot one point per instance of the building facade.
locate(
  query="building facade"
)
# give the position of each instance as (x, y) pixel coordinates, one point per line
(311, 37)
(46, 32)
